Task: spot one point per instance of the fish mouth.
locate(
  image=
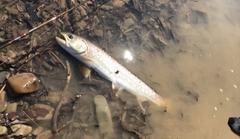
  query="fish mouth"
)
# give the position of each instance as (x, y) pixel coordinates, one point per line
(62, 41)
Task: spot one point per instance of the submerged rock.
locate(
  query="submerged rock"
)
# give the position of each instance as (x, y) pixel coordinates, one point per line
(37, 131)
(11, 54)
(43, 112)
(23, 130)
(3, 130)
(103, 115)
(16, 127)
(3, 106)
(45, 135)
(12, 107)
(22, 83)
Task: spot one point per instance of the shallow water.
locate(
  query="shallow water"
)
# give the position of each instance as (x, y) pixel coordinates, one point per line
(199, 77)
(206, 63)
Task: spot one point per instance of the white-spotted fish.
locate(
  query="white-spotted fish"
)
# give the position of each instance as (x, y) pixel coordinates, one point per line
(99, 61)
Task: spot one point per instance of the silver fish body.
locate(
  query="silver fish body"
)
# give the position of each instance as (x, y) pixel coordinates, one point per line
(95, 58)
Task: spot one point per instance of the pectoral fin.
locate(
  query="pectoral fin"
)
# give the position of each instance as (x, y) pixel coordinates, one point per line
(88, 60)
(116, 90)
(85, 70)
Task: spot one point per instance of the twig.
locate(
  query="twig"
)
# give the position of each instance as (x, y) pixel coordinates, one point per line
(8, 5)
(3, 87)
(128, 127)
(56, 112)
(74, 107)
(41, 25)
(29, 117)
(57, 58)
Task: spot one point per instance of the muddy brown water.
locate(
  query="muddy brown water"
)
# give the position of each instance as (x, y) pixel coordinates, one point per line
(204, 66)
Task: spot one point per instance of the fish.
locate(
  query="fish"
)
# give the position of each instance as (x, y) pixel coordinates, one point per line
(99, 61)
(234, 124)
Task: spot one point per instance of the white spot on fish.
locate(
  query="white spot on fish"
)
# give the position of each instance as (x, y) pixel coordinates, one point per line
(227, 98)
(232, 71)
(215, 108)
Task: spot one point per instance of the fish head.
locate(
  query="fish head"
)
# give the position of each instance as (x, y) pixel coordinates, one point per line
(73, 44)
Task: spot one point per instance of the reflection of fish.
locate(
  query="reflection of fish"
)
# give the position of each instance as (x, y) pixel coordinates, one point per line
(96, 59)
(234, 124)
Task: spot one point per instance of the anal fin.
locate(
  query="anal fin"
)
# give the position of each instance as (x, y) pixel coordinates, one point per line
(85, 70)
(116, 90)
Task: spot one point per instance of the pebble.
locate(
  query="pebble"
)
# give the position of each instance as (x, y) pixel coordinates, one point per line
(103, 115)
(24, 130)
(12, 107)
(37, 131)
(15, 127)
(3, 130)
(45, 135)
(128, 23)
(44, 112)
(3, 106)
(22, 83)
(3, 75)
(11, 54)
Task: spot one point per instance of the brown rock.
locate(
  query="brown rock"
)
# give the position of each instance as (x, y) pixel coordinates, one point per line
(22, 83)
(44, 112)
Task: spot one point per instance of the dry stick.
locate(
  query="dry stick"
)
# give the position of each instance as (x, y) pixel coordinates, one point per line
(74, 105)
(56, 112)
(41, 25)
(57, 58)
(3, 87)
(29, 117)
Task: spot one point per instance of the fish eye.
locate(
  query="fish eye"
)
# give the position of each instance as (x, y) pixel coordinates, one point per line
(70, 36)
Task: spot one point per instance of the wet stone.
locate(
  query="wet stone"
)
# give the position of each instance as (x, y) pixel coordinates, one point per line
(22, 83)
(16, 127)
(3, 106)
(12, 107)
(45, 135)
(24, 130)
(43, 112)
(37, 131)
(11, 54)
(3, 130)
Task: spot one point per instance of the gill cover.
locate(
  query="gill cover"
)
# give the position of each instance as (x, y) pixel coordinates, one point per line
(72, 43)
